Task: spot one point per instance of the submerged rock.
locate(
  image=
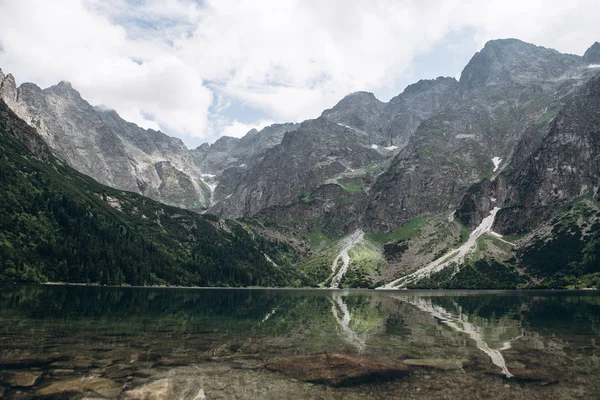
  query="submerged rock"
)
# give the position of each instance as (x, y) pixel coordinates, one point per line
(157, 390)
(101, 386)
(337, 369)
(533, 375)
(21, 379)
(442, 364)
(74, 364)
(27, 361)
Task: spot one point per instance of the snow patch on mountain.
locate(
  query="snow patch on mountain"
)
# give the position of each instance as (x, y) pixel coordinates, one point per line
(496, 161)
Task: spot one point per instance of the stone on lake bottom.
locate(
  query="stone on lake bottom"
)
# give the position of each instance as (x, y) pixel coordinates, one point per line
(442, 364)
(535, 375)
(337, 369)
(157, 390)
(22, 379)
(102, 386)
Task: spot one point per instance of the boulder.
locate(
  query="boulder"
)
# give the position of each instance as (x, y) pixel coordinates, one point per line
(102, 386)
(533, 375)
(22, 378)
(337, 369)
(442, 364)
(157, 390)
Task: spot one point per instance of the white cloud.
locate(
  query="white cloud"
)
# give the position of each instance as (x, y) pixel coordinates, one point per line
(290, 59)
(46, 42)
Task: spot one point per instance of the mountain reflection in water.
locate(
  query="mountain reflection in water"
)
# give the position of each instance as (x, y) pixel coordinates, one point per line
(217, 342)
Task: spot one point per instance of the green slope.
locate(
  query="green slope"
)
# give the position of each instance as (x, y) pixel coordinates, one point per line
(59, 225)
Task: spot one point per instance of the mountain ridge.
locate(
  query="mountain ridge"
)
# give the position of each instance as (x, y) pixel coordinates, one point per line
(416, 174)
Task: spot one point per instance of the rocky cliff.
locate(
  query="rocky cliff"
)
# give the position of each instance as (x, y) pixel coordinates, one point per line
(98, 143)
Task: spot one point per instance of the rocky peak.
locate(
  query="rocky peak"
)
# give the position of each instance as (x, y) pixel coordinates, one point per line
(425, 85)
(360, 111)
(507, 61)
(66, 90)
(225, 143)
(8, 88)
(592, 55)
(353, 100)
(10, 94)
(1, 76)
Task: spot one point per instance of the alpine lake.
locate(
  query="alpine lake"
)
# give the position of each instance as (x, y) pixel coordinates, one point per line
(84, 342)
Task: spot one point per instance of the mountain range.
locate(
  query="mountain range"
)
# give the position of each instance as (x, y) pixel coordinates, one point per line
(490, 181)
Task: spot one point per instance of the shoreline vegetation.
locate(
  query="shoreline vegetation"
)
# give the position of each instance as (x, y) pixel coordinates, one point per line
(310, 288)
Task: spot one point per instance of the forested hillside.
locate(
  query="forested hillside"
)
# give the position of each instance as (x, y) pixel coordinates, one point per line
(59, 225)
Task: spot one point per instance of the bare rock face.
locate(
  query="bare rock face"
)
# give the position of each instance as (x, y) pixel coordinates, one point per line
(338, 369)
(506, 96)
(345, 144)
(592, 55)
(565, 166)
(225, 163)
(317, 153)
(100, 144)
(443, 136)
(511, 61)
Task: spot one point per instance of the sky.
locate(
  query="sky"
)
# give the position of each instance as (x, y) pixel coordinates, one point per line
(198, 70)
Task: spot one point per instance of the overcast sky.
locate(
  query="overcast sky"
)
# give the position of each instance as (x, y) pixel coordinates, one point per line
(201, 69)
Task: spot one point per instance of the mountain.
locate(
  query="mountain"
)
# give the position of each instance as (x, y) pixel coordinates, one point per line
(348, 146)
(98, 143)
(486, 182)
(60, 225)
(461, 149)
(226, 161)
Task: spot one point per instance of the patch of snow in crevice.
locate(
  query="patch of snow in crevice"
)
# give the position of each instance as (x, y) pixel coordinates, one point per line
(594, 66)
(374, 146)
(500, 238)
(270, 261)
(210, 181)
(493, 199)
(451, 216)
(344, 322)
(461, 323)
(347, 127)
(496, 161)
(455, 256)
(351, 128)
(347, 244)
(390, 148)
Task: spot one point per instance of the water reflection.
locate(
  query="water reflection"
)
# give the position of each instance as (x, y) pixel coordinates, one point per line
(459, 321)
(124, 334)
(352, 337)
